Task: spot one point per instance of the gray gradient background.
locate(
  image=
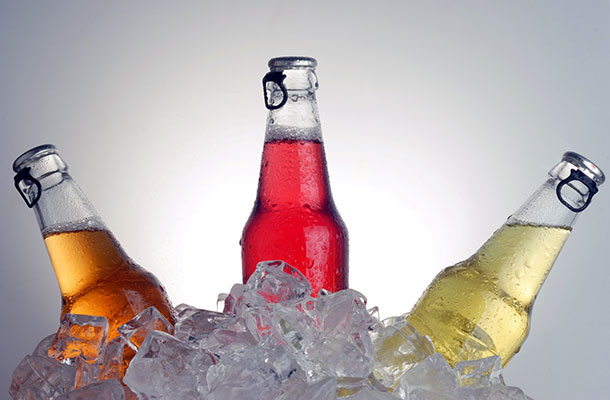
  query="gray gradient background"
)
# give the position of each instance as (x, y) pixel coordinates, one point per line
(439, 118)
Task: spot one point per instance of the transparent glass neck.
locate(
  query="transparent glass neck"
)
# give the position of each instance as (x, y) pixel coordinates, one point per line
(568, 191)
(58, 202)
(290, 88)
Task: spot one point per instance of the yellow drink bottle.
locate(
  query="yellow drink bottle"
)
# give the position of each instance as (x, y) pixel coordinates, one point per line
(481, 306)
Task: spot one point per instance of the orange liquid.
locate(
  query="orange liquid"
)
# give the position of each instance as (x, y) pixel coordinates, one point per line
(97, 278)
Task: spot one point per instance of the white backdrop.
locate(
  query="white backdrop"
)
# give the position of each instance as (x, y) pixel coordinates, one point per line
(439, 119)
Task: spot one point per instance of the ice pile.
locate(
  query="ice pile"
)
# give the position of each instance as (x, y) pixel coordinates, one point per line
(272, 341)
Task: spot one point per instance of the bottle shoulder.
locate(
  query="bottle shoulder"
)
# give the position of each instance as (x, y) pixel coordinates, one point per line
(294, 212)
(295, 218)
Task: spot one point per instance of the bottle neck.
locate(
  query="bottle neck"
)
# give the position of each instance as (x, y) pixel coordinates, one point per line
(46, 186)
(79, 245)
(520, 255)
(543, 208)
(293, 168)
(297, 117)
(568, 190)
(64, 207)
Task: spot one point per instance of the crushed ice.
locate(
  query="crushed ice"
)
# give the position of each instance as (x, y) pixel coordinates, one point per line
(272, 341)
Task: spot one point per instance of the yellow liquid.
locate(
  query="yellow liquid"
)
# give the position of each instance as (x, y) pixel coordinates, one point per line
(481, 307)
(97, 278)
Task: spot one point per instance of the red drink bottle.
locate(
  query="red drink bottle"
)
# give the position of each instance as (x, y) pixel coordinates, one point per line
(294, 218)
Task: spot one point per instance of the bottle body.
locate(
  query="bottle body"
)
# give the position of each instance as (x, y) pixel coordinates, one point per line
(95, 275)
(287, 225)
(294, 217)
(482, 306)
(466, 310)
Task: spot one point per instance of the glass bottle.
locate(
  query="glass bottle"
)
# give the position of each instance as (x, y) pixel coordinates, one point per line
(482, 306)
(294, 218)
(95, 275)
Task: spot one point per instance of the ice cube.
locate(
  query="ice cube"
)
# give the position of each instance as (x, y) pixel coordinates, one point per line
(328, 336)
(374, 313)
(79, 335)
(477, 343)
(263, 389)
(34, 393)
(42, 349)
(337, 357)
(86, 373)
(253, 373)
(106, 390)
(41, 377)
(233, 300)
(347, 386)
(135, 330)
(344, 314)
(194, 324)
(226, 339)
(340, 309)
(432, 374)
(274, 341)
(398, 348)
(323, 389)
(370, 394)
(184, 311)
(423, 394)
(259, 321)
(480, 373)
(215, 332)
(272, 282)
(294, 327)
(115, 359)
(167, 368)
(323, 356)
(275, 281)
(497, 392)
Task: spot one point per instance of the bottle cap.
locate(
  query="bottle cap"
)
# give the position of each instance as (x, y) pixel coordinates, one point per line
(579, 181)
(288, 73)
(33, 154)
(292, 62)
(32, 167)
(586, 166)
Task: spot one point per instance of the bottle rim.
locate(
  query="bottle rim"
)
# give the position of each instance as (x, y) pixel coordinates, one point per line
(33, 153)
(589, 166)
(292, 62)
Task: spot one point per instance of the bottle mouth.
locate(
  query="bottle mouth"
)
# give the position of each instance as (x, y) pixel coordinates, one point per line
(586, 166)
(289, 74)
(292, 62)
(577, 180)
(32, 155)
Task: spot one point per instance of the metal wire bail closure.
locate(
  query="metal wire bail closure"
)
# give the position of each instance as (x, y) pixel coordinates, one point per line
(577, 175)
(276, 77)
(24, 188)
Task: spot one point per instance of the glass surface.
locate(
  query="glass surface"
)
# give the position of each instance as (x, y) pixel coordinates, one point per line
(294, 218)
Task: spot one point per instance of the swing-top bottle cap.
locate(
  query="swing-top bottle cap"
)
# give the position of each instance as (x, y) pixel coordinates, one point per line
(33, 154)
(292, 62)
(291, 73)
(586, 166)
(578, 179)
(34, 167)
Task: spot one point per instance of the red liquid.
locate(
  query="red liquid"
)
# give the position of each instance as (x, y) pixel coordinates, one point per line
(294, 217)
